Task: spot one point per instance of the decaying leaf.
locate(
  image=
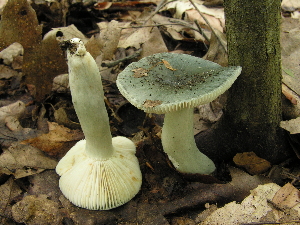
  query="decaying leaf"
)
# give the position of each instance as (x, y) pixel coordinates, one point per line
(217, 51)
(251, 162)
(290, 95)
(11, 52)
(15, 109)
(8, 191)
(251, 209)
(58, 141)
(10, 127)
(62, 118)
(292, 126)
(42, 60)
(147, 37)
(61, 83)
(266, 203)
(287, 197)
(24, 160)
(140, 72)
(168, 65)
(215, 16)
(109, 38)
(151, 103)
(37, 210)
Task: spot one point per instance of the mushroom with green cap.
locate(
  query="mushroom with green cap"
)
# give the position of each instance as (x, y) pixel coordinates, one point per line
(100, 172)
(173, 84)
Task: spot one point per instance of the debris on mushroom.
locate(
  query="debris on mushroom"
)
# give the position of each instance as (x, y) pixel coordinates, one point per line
(174, 85)
(100, 172)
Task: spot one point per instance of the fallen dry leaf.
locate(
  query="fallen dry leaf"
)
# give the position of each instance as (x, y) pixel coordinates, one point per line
(287, 197)
(217, 51)
(214, 16)
(252, 208)
(140, 72)
(292, 126)
(42, 59)
(151, 103)
(251, 162)
(168, 65)
(58, 141)
(110, 34)
(8, 191)
(33, 210)
(11, 52)
(24, 160)
(290, 95)
(145, 36)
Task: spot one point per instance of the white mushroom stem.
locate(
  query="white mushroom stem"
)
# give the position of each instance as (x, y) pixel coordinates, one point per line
(88, 100)
(179, 143)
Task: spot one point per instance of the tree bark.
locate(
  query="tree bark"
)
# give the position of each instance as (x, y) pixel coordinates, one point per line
(253, 111)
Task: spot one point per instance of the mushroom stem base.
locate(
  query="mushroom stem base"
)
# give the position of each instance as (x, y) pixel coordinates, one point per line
(179, 143)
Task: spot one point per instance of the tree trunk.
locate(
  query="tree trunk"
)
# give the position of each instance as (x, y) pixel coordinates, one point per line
(253, 111)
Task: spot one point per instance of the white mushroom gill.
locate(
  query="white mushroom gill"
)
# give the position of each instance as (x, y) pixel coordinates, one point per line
(100, 172)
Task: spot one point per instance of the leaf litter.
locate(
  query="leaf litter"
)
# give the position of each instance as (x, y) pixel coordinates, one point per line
(35, 137)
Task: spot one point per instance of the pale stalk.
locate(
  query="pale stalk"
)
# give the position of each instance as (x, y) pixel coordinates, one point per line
(179, 143)
(88, 100)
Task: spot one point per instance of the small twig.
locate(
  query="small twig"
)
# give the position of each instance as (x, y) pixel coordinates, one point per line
(161, 4)
(114, 63)
(206, 21)
(164, 24)
(183, 23)
(201, 31)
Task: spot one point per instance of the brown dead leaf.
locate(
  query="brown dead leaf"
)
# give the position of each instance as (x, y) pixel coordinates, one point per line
(214, 22)
(10, 127)
(8, 191)
(62, 118)
(251, 162)
(24, 160)
(217, 51)
(61, 83)
(145, 36)
(287, 196)
(42, 59)
(140, 72)
(11, 52)
(168, 65)
(215, 16)
(6, 72)
(292, 126)
(152, 103)
(290, 95)
(290, 53)
(37, 210)
(110, 34)
(251, 209)
(290, 5)
(58, 141)
(155, 44)
(15, 109)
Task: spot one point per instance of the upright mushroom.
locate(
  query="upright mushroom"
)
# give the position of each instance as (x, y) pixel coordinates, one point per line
(172, 84)
(100, 172)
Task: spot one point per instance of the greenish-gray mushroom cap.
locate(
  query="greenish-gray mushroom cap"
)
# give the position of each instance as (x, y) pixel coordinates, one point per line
(166, 82)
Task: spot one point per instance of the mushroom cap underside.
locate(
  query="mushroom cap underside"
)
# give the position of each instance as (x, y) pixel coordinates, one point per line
(100, 184)
(166, 82)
